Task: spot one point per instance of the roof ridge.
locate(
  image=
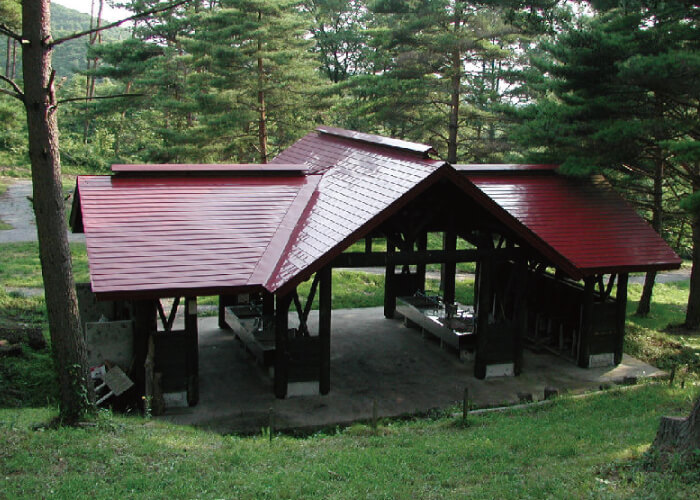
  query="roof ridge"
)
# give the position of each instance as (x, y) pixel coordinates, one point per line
(378, 140)
(280, 240)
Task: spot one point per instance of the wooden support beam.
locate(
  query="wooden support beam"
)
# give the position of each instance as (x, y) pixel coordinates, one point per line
(389, 288)
(303, 329)
(145, 317)
(483, 310)
(324, 328)
(268, 304)
(521, 312)
(380, 259)
(225, 301)
(586, 325)
(281, 350)
(192, 355)
(310, 298)
(422, 244)
(449, 268)
(620, 313)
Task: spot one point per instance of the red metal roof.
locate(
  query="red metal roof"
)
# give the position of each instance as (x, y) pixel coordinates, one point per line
(581, 225)
(189, 235)
(175, 231)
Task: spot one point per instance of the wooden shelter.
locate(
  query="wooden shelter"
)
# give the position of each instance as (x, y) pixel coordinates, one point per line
(548, 249)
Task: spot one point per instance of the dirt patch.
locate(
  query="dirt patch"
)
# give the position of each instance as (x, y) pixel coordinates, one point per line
(17, 333)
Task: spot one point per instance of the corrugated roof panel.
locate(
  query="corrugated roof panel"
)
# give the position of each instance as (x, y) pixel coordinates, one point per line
(167, 234)
(584, 226)
(363, 181)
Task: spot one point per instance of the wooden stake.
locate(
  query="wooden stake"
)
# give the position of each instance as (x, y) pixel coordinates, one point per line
(673, 375)
(374, 414)
(465, 405)
(271, 422)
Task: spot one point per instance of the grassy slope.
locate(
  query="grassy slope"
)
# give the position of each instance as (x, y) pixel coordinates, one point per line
(575, 449)
(20, 267)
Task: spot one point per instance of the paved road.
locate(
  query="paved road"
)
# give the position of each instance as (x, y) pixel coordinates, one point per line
(16, 210)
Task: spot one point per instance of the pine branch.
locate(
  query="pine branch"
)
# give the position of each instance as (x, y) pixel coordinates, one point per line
(100, 97)
(18, 94)
(135, 17)
(4, 30)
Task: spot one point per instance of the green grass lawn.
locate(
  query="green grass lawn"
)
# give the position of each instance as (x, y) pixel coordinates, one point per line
(588, 448)
(20, 267)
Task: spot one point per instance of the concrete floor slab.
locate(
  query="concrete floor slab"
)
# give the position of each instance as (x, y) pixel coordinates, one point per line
(372, 359)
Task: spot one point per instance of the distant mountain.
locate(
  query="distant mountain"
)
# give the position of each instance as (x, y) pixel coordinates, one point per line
(68, 58)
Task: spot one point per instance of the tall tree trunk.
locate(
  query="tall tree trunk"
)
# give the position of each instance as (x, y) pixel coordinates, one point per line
(68, 344)
(644, 305)
(91, 66)
(262, 123)
(7, 57)
(13, 70)
(692, 314)
(455, 88)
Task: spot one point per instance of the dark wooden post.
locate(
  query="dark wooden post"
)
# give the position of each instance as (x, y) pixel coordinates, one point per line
(268, 304)
(145, 317)
(225, 301)
(389, 285)
(621, 314)
(586, 325)
(422, 244)
(483, 310)
(192, 354)
(520, 313)
(450, 268)
(324, 328)
(281, 337)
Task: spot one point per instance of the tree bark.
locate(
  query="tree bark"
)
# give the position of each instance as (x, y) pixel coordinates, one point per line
(455, 87)
(262, 124)
(68, 344)
(679, 434)
(644, 305)
(13, 69)
(7, 58)
(692, 314)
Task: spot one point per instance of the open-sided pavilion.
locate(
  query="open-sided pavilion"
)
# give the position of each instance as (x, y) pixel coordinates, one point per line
(552, 253)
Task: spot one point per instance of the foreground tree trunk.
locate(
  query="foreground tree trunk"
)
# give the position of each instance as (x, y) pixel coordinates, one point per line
(68, 344)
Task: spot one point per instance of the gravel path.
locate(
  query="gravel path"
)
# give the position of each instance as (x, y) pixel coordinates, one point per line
(16, 210)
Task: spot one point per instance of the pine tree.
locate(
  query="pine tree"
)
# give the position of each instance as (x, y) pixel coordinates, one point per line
(257, 80)
(620, 89)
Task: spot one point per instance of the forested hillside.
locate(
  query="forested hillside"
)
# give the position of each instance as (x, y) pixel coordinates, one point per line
(69, 57)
